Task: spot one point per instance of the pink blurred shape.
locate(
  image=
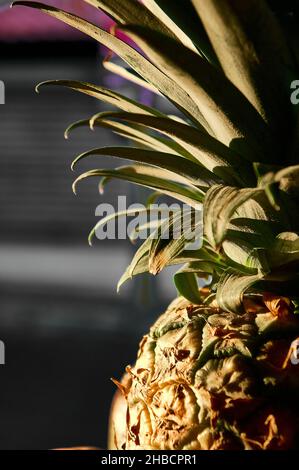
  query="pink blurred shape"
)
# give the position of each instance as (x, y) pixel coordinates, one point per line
(22, 24)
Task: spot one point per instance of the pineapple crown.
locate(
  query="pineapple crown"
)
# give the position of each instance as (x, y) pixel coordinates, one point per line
(227, 66)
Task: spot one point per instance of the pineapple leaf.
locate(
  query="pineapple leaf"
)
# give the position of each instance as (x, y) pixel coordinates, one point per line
(122, 130)
(183, 169)
(75, 125)
(203, 264)
(259, 233)
(278, 185)
(290, 172)
(140, 261)
(187, 286)
(116, 215)
(139, 63)
(103, 182)
(285, 249)
(181, 18)
(231, 289)
(130, 12)
(211, 153)
(129, 74)
(152, 198)
(204, 267)
(104, 94)
(245, 254)
(221, 202)
(228, 141)
(149, 226)
(253, 53)
(232, 118)
(134, 133)
(171, 237)
(141, 266)
(149, 177)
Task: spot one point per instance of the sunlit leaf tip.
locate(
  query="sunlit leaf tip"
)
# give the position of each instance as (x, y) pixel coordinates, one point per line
(93, 119)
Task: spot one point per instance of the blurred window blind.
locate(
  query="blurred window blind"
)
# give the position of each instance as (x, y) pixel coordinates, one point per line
(35, 176)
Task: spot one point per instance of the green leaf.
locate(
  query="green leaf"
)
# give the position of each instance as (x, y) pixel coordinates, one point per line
(258, 259)
(134, 133)
(105, 220)
(245, 254)
(148, 226)
(258, 233)
(261, 169)
(103, 94)
(152, 198)
(184, 170)
(202, 268)
(135, 120)
(128, 74)
(103, 182)
(140, 64)
(273, 195)
(140, 268)
(221, 203)
(249, 243)
(285, 249)
(149, 177)
(233, 119)
(238, 251)
(287, 242)
(172, 237)
(290, 172)
(187, 286)
(121, 129)
(131, 12)
(182, 19)
(75, 125)
(140, 261)
(280, 184)
(231, 288)
(211, 153)
(253, 53)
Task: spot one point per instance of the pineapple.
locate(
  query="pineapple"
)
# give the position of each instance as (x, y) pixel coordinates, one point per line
(215, 369)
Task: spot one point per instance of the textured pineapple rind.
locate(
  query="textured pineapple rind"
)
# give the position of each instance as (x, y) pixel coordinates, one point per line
(206, 379)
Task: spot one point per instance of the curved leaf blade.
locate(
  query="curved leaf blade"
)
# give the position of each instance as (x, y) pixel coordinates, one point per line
(231, 289)
(103, 94)
(128, 74)
(221, 203)
(131, 12)
(187, 286)
(146, 176)
(116, 215)
(232, 118)
(253, 53)
(134, 133)
(181, 17)
(209, 152)
(140, 64)
(172, 237)
(190, 172)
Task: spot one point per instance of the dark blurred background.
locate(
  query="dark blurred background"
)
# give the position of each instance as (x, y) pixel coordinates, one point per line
(65, 329)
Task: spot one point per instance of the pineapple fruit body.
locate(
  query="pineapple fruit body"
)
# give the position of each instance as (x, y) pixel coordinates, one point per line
(209, 380)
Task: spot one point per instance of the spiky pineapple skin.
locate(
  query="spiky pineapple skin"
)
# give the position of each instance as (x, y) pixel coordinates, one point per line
(205, 379)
